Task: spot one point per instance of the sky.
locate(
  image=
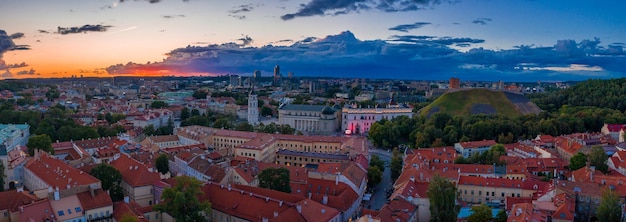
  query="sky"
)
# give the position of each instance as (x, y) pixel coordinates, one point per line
(512, 40)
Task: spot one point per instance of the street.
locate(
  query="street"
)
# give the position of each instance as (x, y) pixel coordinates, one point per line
(379, 197)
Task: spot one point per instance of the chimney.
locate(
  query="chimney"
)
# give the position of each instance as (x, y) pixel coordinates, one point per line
(592, 170)
(275, 213)
(325, 199)
(20, 189)
(126, 199)
(91, 191)
(421, 176)
(309, 195)
(56, 194)
(337, 179)
(299, 208)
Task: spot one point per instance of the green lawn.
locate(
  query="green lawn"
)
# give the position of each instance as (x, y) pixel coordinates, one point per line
(461, 102)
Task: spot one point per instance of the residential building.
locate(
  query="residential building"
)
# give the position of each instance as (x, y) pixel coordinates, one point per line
(13, 135)
(96, 205)
(613, 130)
(11, 202)
(137, 179)
(466, 149)
(43, 172)
(473, 189)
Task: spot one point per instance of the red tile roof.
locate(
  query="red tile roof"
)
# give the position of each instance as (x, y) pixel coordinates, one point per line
(121, 208)
(133, 172)
(99, 199)
(502, 182)
(339, 196)
(253, 204)
(12, 200)
(397, 209)
(475, 144)
(37, 211)
(56, 173)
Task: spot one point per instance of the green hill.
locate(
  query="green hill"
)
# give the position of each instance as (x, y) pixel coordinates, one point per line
(481, 101)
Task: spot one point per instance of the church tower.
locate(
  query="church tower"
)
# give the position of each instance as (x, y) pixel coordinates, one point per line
(253, 110)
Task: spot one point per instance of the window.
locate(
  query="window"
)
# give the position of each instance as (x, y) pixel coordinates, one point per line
(480, 192)
(69, 211)
(562, 215)
(60, 213)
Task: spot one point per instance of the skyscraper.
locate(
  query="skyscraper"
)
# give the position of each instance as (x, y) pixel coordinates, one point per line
(276, 75)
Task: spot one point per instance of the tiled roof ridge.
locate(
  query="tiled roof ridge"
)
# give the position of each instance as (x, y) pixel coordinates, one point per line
(229, 188)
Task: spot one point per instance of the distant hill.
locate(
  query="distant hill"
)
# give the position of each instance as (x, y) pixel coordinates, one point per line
(481, 101)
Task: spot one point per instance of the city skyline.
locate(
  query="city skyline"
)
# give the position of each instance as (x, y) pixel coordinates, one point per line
(513, 40)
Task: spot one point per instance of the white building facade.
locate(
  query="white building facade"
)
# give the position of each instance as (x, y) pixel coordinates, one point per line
(356, 120)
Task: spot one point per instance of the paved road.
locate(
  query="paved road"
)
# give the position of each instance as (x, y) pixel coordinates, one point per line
(380, 195)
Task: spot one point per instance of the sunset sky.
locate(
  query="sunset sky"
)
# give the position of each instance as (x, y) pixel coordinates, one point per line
(413, 39)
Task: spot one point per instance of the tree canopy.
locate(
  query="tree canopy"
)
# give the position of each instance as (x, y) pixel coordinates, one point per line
(396, 164)
(480, 213)
(577, 161)
(162, 164)
(275, 179)
(157, 104)
(182, 203)
(39, 142)
(442, 195)
(598, 158)
(111, 180)
(610, 206)
(374, 176)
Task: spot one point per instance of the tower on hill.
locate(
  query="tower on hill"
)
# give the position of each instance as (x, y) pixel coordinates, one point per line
(455, 83)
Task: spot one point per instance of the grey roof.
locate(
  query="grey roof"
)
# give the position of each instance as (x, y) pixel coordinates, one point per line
(299, 107)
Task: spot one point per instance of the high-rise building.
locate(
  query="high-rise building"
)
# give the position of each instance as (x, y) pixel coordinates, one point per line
(290, 75)
(276, 75)
(257, 74)
(455, 83)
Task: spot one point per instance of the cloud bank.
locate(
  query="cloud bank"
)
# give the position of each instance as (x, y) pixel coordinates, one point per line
(401, 57)
(338, 7)
(82, 29)
(7, 44)
(408, 27)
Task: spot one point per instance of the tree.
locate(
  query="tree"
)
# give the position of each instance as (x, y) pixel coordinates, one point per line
(200, 94)
(577, 161)
(610, 207)
(266, 111)
(184, 113)
(501, 217)
(245, 126)
(195, 112)
(127, 217)
(149, 130)
(162, 164)
(158, 104)
(2, 176)
(111, 180)
(598, 158)
(374, 176)
(480, 213)
(377, 162)
(40, 142)
(182, 203)
(275, 179)
(222, 123)
(442, 195)
(396, 164)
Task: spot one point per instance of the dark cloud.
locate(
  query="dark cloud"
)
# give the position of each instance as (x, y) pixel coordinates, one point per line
(12, 66)
(82, 29)
(17, 35)
(407, 27)
(422, 39)
(245, 40)
(236, 11)
(172, 16)
(26, 72)
(150, 1)
(43, 31)
(403, 57)
(7, 44)
(481, 21)
(338, 7)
